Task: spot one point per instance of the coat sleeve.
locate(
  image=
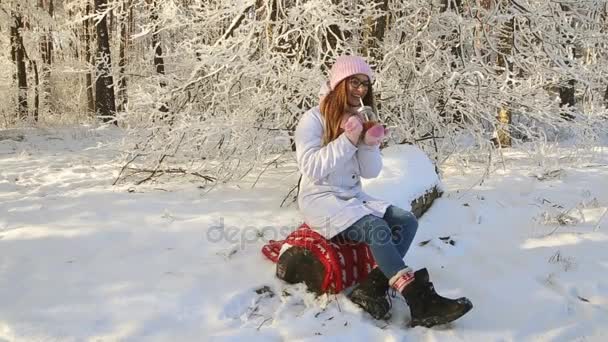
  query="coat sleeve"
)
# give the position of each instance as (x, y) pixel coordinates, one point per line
(316, 161)
(370, 160)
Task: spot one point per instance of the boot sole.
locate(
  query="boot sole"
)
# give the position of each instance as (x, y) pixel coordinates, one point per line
(438, 320)
(378, 308)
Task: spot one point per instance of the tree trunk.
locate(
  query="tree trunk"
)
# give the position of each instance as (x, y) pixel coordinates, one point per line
(451, 5)
(110, 24)
(159, 62)
(446, 112)
(567, 88)
(46, 53)
(566, 94)
(604, 23)
(18, 55)
(49, 41)
(567, 98)
(333, 36)
(36, 91)
(505, 48)
(481, 50)
(122, 61)
(72, 42)
(374, 32)
(104, 84)
(90, 88)
(454, 6)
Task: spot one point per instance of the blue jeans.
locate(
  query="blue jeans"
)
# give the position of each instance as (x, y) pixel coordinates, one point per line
(388, 238)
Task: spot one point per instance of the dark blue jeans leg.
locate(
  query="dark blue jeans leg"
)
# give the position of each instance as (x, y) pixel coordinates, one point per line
(377, 234)
(404, 226)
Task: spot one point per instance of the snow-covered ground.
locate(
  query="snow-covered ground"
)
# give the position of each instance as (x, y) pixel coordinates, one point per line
(83, 260)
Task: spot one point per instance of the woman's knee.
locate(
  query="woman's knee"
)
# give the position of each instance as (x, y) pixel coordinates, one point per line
(403, 218)
(406, 228)
(411, 222)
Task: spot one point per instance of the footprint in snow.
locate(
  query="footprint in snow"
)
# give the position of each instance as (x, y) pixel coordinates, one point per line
(250, 305)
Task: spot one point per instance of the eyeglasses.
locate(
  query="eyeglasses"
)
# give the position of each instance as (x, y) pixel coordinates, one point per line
(356, 83)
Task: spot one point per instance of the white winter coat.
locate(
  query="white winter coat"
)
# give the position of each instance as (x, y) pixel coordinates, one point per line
(331, 198)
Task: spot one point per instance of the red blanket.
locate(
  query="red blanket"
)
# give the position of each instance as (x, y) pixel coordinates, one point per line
(346, 263)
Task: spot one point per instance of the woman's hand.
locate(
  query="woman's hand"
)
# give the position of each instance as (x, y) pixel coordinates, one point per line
(375, 135)
(352, 128)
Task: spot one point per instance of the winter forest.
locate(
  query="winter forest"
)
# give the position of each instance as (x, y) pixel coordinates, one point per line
(128, 127)
(223, 83)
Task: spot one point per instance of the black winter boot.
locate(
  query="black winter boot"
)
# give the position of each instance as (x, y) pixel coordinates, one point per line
(427, 307)
(370, 294)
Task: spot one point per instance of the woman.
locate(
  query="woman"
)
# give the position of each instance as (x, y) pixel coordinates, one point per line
(333, 154)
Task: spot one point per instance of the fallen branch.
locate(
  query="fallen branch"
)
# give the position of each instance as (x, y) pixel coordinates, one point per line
(597, 226)
(274, 161)
(264, 321)
(429, 137)
(292, 190)
(162, 158)
(133, 159)
(155, 173)
(125, 167)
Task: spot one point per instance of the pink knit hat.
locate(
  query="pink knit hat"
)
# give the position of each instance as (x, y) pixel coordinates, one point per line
(347, 66)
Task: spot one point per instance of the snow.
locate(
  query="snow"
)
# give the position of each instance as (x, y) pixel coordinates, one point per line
(408, 167)
(81, 259)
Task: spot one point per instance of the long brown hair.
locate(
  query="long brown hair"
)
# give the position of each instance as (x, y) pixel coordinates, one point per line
(333, 107)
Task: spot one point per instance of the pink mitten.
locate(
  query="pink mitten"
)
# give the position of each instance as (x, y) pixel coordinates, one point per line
(374, 135)
(353, 128)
